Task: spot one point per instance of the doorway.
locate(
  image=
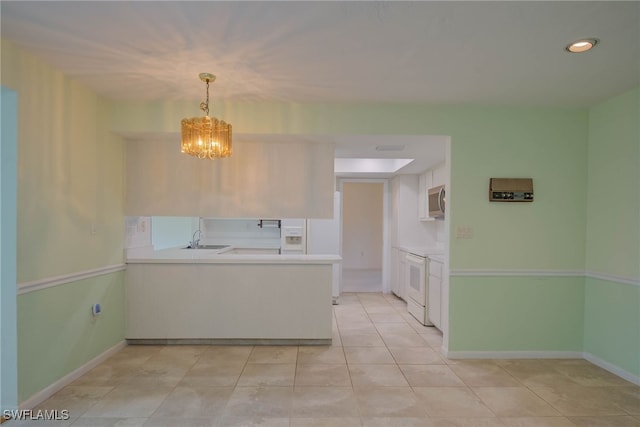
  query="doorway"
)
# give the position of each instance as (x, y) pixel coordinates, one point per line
(8, 282)
(363, 234)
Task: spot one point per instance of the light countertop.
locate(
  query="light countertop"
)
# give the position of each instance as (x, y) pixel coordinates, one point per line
(423, 251)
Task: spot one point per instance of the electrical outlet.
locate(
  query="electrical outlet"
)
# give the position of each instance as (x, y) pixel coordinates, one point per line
(96, 309)
(94, 229)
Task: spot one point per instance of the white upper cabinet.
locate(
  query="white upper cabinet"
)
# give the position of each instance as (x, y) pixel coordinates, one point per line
(260, 180)
(439, 175)
(428, 179)
(423, 199)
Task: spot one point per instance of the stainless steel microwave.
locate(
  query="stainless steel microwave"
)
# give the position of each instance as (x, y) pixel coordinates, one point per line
(437, 201)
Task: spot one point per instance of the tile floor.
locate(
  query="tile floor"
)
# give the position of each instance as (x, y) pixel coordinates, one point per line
(383, 370)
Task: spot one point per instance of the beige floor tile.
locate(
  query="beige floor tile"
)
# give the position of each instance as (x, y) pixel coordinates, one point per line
(411, 339)
(345, 310)
(397, 422)
(537, 422)
(267, 374)
(415, 356)
(255, 421)
(358, 328)
(182, 422)
(386, 318)
(226, 354)
(322, 375)
(394, 328)
(479, 373)
(75, 399)
(209, 373)
(250, 402)
(372, 298)
(622, 421)
(324, 355)
(185, 353)
(467, 422)
(321, 402)
(433, 341)
(377, 375)
(336, 341)
(420, 328)
(326, 422)
(382, 309)
(273, 354)
(627, 398)
(368, 355)
(451, 402)
(194, 402)
(514, 402)
(587, 374)
(129, 401)
(352, 317)
(388, 402)
(430, 376)
(106, 374)
(135, 354)
(582, 401)
(364, 340)
(160, 374)
(348, 298)
(110, 422)
(40, 423)
(536, 373)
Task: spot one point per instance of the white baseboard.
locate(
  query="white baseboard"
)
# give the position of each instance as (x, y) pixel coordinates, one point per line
(50, 390)
(616, 370)
(513, 354)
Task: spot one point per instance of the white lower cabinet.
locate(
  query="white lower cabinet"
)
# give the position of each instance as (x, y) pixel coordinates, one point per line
(403, 274)
(395, 286)
(399, 273)
(434, 301)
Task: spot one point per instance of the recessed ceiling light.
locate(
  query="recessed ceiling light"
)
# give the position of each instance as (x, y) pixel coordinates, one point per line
(581, 45)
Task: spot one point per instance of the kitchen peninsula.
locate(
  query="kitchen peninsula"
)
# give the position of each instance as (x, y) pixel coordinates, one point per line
(204, 296)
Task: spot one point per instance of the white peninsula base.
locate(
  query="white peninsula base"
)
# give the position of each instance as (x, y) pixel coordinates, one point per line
(243, 300)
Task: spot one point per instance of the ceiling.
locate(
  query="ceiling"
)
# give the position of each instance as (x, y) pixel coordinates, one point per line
(453, 53)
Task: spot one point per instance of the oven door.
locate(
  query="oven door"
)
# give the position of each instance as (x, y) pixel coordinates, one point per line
(416, 279)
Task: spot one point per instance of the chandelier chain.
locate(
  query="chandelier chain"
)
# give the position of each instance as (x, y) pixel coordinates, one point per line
(204, 106)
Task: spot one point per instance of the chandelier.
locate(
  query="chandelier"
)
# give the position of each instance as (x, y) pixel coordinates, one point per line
(206, 137)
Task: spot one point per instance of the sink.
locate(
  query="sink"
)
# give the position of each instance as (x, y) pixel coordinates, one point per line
(208, 247)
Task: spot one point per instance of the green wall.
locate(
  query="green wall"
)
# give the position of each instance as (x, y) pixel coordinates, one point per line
(58, 333)
(519, 314)
(546, 144)
(612, 304)
(612, 323)
(70, 219)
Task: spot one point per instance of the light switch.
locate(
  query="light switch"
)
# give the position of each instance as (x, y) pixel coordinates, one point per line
(464, 232)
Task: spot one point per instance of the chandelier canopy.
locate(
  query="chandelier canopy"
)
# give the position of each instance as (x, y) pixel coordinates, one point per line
(206, 137)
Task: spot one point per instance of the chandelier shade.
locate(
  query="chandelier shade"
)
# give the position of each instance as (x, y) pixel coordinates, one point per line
(206, 137)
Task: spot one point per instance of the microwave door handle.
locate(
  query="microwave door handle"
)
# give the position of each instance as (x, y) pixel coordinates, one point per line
(440, 200)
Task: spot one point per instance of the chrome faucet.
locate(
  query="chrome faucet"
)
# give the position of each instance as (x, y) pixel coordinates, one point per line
(194, 243)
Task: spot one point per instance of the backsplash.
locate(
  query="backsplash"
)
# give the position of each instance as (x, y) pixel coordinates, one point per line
(237, 231)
